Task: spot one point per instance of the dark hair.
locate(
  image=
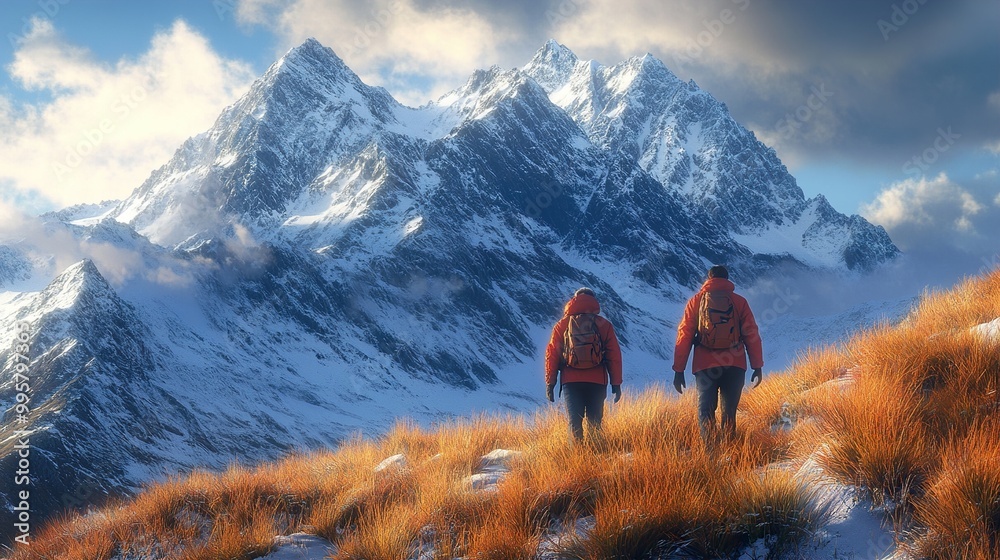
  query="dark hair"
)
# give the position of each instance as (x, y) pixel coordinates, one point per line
(718, 271)
(587, 291)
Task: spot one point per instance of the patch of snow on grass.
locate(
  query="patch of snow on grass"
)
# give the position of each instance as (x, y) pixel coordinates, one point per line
(990, 331)
(853, 529)
(396, 462)
(300, 546)
(492, 468)
(561, 535)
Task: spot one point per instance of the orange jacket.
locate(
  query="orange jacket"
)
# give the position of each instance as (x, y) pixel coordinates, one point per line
(612, 366)
(705, 358)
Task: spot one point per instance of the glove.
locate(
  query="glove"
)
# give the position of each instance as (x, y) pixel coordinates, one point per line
(616, 390)
(550, 393)
(757, 377)
(679, 382)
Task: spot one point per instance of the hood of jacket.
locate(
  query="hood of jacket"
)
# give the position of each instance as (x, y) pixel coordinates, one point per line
(582, 303)
(718, 285)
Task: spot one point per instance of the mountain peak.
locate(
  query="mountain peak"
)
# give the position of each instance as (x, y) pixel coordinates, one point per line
(553, 50)
(552, 65)
(308, 110)
(84, 271)
(311, 43)
(312, 55)
(310, 69)
(648, 60)
(646, 67)
(79, 281)
(311, 48)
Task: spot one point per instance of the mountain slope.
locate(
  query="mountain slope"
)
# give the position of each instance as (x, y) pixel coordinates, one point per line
(884, 446)
(88, 347)
(324, 259)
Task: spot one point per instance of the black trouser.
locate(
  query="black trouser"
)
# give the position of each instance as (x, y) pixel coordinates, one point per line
(727, 381)
(584, 400)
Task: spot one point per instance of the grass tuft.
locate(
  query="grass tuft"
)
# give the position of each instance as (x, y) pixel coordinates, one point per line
(961, 512)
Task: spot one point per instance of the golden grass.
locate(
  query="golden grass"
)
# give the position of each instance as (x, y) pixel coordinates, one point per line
(961, 512)
(650, 503)
(777, 507)
(919, 386)
(647, 488)
(507, 526)
(385, 532)
(873, 438)
(973, 301)
(910, 414)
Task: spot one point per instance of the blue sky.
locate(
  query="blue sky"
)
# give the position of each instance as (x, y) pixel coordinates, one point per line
(87, 23)
(889, 108)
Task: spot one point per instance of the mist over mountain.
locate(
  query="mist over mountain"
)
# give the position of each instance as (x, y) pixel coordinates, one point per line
(324, 259)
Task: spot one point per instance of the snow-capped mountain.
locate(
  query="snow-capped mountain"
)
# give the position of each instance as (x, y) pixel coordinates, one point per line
(324, 259)
(688, 141)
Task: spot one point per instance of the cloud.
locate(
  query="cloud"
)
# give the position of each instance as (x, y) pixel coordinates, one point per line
(934, 203)
(939, 223)
(417, 50)
(52, 247)
(764, 60)
(892, 88)
(104, 127)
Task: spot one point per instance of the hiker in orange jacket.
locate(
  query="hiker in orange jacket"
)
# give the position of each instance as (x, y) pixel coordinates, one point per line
(718, 370)
(585, 387)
